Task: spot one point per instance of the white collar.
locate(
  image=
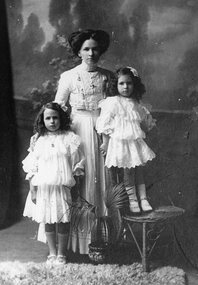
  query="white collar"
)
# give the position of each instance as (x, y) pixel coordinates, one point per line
(86, 67)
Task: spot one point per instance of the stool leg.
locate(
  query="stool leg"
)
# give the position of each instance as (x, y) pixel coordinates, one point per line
(145, 262)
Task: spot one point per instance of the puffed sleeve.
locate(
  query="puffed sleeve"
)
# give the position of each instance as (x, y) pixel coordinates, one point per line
(105, 122)
(29, 164)
(147, 120)
(64, 87)
(77, 156)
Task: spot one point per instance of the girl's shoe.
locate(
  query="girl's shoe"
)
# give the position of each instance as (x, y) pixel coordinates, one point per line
(145, 206)
(51, 259)
(60, 260)
(134, 206)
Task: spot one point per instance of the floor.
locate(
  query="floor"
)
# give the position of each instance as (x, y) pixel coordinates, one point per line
(18, 243)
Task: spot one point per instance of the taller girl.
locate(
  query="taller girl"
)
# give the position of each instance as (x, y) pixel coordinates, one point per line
(121, 122)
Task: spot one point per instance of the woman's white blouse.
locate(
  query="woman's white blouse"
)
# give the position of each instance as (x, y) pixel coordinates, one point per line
(84, 90)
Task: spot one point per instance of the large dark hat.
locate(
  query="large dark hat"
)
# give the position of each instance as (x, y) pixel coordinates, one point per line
(77, 39)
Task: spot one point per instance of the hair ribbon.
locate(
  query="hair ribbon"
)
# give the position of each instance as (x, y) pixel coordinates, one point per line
(64, 108)
(62, 105)
(133, 70)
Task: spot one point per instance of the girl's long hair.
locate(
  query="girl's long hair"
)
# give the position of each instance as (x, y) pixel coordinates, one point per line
(138, 86)
(65, 121)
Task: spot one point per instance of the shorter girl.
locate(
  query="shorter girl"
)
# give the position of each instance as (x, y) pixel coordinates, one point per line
(53, 163)
(120, 123)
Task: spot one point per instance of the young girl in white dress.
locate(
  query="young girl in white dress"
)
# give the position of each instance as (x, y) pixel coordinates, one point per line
(53, 164)
(121, 124)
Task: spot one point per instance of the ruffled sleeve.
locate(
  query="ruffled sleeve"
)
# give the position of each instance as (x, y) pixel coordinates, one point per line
(105, 122)
(29, 164)
(77, 156)
(147, 120)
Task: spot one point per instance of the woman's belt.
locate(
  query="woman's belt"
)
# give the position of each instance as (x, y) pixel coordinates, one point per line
(85, 111)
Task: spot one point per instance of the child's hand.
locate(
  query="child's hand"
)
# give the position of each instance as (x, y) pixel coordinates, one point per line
(148, 124)
(103, 148)
(33, 194)
(144, 127)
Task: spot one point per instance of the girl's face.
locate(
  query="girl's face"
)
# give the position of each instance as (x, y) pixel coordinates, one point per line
(51, 120)
(89, 52)
(125, 85)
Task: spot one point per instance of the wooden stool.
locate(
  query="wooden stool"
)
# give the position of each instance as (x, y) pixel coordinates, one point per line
(164, 214)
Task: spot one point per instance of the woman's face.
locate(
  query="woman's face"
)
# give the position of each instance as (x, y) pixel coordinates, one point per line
(51, 120)
(89, 52)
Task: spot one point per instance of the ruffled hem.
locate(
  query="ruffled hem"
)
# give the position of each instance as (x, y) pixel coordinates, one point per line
(53, 205)
(129, 165)
(128, 155)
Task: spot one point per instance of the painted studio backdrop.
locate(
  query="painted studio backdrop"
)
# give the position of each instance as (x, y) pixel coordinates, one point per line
(157, 37)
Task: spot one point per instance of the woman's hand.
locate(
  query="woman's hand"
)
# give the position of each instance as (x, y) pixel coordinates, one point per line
(103, 148)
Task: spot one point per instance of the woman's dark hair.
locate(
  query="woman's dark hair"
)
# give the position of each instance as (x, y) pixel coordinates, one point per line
(138, 86)
(77, 39)
(65, 121)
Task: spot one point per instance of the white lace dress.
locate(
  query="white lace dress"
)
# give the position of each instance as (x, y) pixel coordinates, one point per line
(121, 119)
(51, 164)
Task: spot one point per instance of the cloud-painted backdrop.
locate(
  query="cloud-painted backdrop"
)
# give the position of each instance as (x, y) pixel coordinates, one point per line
(159, 38)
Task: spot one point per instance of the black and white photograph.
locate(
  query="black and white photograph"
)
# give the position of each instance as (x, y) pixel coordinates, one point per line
(99, 142)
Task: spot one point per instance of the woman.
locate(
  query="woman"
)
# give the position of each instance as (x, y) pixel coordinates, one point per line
(83, 87)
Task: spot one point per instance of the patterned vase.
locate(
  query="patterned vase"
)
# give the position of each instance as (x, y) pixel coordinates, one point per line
(98, 252)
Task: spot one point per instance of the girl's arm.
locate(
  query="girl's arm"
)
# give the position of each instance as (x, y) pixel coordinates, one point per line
(75, 189)
(104, 145)
(148, 122)
(30, 167)
(105, 122)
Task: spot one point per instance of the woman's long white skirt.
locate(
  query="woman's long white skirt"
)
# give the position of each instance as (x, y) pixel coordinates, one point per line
(95, 181)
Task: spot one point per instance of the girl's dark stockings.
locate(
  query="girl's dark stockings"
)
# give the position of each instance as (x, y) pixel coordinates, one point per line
(62, 228)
